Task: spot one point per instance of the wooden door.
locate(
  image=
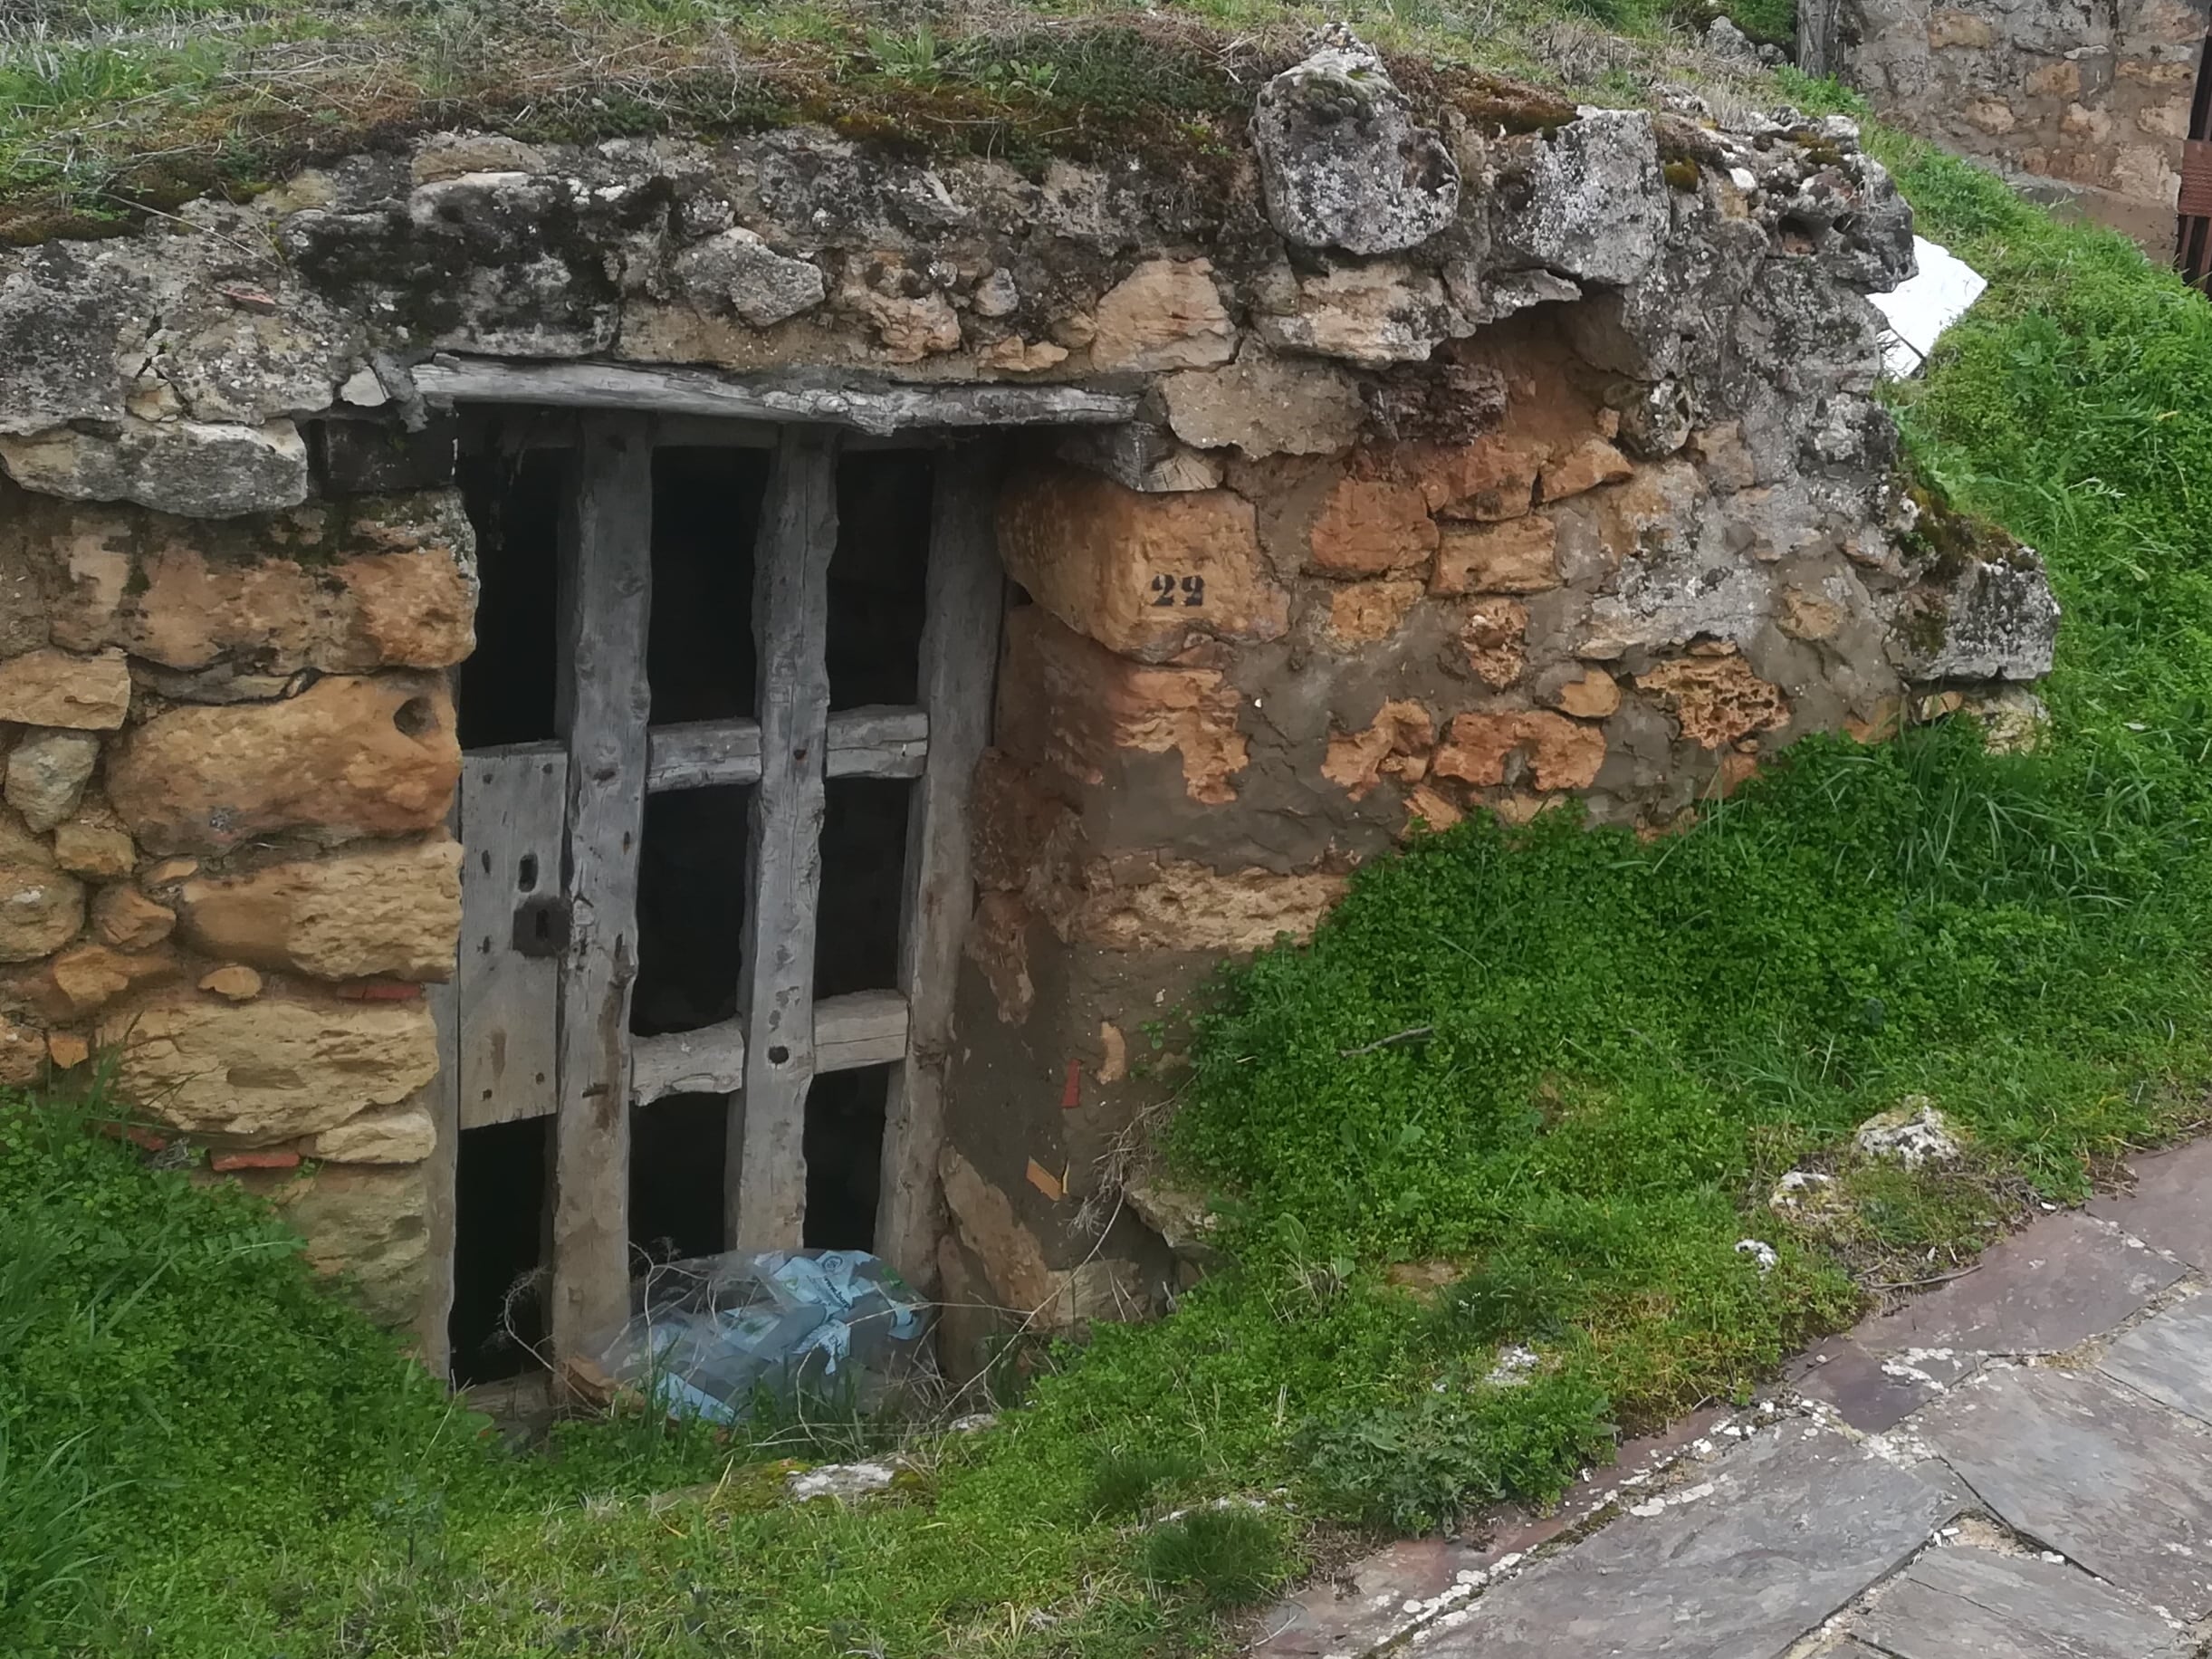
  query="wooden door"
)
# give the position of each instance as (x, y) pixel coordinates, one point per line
(538, 1018)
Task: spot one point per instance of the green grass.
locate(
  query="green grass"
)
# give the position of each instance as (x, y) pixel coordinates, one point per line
(1628, 1042)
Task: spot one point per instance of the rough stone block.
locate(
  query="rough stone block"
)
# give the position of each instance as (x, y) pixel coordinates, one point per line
(1341, 160)
(270, 1069)
(384, 911)
(1716, 700)
(1374, 314)
(1595, 205)
(41, 910)
(1995, 619)
(1264, 405)
(201, 469)
(1396, 742)
(1591, 695)
(1367, 612)
(396, 1135)
(1548, 750)
(86, 978)
(1489, 479)
(55, 688)
(1067, 700)
(1370, 527)
(1180, 905)
(1949, 28)
(127, 919)
(1512, 557)
(371, 1224)
(1589, 463)
(1165, 314)
(348, 757)
(97, 850)
(206, 601)
(46, 774)
(736, 272)
(22, 1054)
(1495, 637)
(1144, 575)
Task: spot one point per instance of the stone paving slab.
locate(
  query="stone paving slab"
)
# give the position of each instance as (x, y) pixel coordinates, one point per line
(2113, 1481)
(1379, 1599)
(1873, 1393)
(1787, 1530)
(2043, 1290)
(2171, 1205)
(1966, 1603)
(2170, 1358)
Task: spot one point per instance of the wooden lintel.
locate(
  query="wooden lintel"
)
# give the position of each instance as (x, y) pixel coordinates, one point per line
(606, 546)
(876, 741)
(960, 653)
(878, 407)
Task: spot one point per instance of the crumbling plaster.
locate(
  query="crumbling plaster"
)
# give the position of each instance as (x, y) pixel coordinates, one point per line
(1549, 467)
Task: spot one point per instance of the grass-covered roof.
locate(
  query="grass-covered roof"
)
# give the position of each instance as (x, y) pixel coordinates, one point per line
(113, 108)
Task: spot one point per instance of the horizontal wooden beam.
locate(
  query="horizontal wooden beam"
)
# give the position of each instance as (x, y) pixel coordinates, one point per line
(876, 741)
(710, 1061)
(864, 405)
(866, 1028)
(879, 740)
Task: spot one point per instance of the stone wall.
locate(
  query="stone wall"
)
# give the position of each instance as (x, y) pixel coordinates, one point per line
(1486, 453)
(223, 868)
(2090, 98)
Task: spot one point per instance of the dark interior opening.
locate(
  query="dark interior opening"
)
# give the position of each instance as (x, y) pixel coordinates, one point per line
(864, 882)
(699, 648)
(507, 683)
(876, 577)
(501, 1187)
(676, 1150)
(844, 1152)
(691, 893)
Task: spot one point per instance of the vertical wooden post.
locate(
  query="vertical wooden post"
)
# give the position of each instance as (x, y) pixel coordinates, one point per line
(765, 1182)
(441, 1170)
(606, 580)
(960, 651)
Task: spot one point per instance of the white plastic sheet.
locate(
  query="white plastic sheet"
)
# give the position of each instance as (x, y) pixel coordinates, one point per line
(1917, 311)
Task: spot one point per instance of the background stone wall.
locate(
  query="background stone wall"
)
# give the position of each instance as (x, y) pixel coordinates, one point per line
(2093, 98)
(228, 753)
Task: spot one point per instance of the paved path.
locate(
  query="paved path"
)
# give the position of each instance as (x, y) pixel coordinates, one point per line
(2016, 1465)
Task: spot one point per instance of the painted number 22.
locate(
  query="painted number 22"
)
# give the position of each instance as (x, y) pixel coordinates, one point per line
(1164, 588)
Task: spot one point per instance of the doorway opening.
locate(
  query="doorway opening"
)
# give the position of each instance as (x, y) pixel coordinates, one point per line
(720, 519)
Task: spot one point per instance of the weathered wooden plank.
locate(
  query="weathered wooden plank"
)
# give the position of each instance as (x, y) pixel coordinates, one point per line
(710, 1061)
(700, 754)
(513, 803)
(861, 1028)
(605, 545)
(853, 401)
(880, 741)
(960, 649)
(765, 1185)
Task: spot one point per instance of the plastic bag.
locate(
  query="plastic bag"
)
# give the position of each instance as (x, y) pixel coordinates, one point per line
(709, 1334)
